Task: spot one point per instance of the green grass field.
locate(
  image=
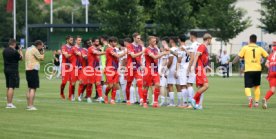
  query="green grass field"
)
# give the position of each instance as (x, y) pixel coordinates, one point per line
(225, 116)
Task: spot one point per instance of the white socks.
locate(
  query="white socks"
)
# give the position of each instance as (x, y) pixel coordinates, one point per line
(171, 95)
(190, 92)
(185, 95)
(179, 97)
(118, 95)
(123, 87)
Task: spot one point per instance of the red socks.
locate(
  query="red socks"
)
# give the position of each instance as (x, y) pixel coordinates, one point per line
(197, 97)
(62, 86)
(107, 91)
(145, 95)
(88, 90)
(140, 91)
(71, 90)
(81, 86)
(128, 90)
(113, 93)
(268, 94)
(99, 90)
(156, 94)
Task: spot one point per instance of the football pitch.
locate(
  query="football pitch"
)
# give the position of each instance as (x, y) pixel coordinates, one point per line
(225, 115)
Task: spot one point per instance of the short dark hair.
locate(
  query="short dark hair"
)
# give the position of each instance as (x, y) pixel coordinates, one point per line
(86, 43)
(68, 37)
(128, 40)
(183, 38)
(193, 33)
(38, 42)
(135, 34)
(174, 38)
(12, 42)
(113, 39)
(105, 37)
(253, 38)
(78, 36)
(166, 38)
(121, 42)
(94, 39)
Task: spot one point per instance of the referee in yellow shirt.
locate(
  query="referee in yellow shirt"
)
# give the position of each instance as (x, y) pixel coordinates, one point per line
(252, 55)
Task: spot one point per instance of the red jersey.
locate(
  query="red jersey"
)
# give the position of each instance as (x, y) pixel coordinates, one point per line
(112, 62)
(68, 49)
(151, 63)
(134, 63)
(76, 59)
(84, 61)
(93, 59)
(272, 62)
(203, 59)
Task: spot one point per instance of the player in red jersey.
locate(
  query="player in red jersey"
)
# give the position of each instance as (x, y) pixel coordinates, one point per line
(111, 70)
(82, 77)
(94, 63)
(271, 65)
(76, 64)
(151, 75)
(65, 66)
(134, 62)
(200, 62)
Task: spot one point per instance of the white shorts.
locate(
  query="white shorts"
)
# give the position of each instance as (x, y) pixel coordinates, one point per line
(163, 81)
(171, 78)
(56, 68)
(182, 75)
(122, 79)
(191, 78)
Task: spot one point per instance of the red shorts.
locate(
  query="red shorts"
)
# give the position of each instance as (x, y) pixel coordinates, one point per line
(131, 75)
(65, 74)
(75, 75)
(83, 78)
(201, 78)
(98, 76)
(151, 79)
(111, 76)
(65, 77)
(272, 79)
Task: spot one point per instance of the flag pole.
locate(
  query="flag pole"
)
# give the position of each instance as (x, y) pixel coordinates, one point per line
(51, 15)
(26, 23)
(86, 15)
(14, 19)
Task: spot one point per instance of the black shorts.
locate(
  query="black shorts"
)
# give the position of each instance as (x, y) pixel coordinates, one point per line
(12, 79)
(252, 78)
(32, 78)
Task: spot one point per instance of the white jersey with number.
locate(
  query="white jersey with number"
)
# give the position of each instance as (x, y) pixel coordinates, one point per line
(172, 69)
(182, 72)
(162, 70)
(193, 49)
(121, 68)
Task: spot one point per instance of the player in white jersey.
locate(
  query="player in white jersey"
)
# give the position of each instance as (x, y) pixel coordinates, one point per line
(192, 50)
(172, 68)
(122, 65)
(163, 71)
(181, 72)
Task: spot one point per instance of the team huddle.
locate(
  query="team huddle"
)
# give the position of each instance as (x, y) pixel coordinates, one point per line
(117, 68)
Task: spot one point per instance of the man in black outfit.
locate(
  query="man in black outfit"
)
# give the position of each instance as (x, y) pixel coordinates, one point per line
(11, 56)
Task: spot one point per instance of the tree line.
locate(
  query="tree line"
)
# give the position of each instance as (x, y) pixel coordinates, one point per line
(123, 17)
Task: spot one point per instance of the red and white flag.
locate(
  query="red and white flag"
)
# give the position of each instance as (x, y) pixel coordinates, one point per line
(9, 7)
(47, 1)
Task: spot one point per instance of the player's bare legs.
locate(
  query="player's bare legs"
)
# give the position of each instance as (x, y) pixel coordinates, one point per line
(269, 93)
(171, 94)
